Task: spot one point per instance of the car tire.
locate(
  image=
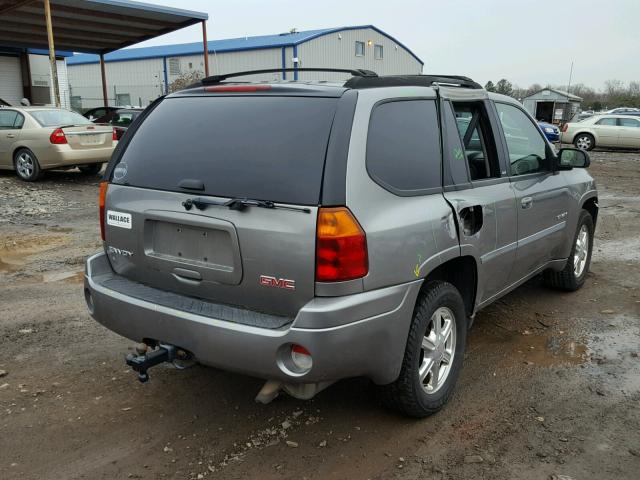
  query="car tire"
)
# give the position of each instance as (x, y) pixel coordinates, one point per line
(584, 141)
(26, 165)
(418, 392)
(91, 169)
(572, 277)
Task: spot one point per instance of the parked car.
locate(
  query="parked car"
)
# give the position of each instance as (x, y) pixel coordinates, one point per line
(614, 131)
(103, 113)
(550, 131)
(306, 233)
(624, 111)
(121, 119)
(34, 139)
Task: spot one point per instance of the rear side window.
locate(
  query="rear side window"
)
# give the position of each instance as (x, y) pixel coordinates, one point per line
(611, 122)
(265, 148)
(403, 146)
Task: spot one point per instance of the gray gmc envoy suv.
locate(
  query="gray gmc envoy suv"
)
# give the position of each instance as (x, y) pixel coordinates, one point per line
(306, 232)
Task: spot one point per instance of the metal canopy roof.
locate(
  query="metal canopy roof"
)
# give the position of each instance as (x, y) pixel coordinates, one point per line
(89, 26)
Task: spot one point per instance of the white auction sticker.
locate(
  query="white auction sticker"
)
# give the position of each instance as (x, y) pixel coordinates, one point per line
(119, 219)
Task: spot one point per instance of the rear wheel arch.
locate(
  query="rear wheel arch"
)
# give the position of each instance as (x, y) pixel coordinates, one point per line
(462, 273)
(591, 206)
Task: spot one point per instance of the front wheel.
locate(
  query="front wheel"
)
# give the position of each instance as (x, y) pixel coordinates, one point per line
(91, 169)
(574, 274)
(584, 141)
(434, 353)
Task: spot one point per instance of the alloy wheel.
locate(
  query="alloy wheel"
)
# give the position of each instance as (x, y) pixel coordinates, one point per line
(25, 165)
(583, 143)
(581, 251)
(437, 350)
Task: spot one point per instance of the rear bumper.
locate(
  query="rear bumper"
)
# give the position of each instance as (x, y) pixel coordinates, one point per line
(356, 335)
(64, 156)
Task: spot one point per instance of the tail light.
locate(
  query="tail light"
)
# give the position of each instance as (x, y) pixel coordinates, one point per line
(114, 135)
(341, 246)
(564, 127)
(58, 137)
(101, 202)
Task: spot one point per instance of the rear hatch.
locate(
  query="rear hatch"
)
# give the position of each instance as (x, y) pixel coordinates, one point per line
(164, 227)
(81, 137)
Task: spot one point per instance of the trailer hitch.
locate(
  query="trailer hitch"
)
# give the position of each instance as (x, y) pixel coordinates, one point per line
(145, 360)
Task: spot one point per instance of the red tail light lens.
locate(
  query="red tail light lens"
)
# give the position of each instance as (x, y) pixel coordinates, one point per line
(58, 137)
(237, 88)
(564, 127)
(101, 202)
(114, 135)
(341, 246)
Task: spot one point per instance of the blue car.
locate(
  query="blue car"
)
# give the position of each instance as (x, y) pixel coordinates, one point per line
(550, 131)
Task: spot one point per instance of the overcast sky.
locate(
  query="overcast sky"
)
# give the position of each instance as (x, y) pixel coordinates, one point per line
(525, 41)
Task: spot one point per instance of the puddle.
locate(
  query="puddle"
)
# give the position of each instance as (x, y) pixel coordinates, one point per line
(530, 347)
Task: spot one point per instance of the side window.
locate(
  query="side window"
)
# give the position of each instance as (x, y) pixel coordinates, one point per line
(359, 49)
(455, 167)
(609, 122)
(628, 122)
(19, 121)
(8, 119)
(378, 52)
(478, 144)
(527, 149)
(403, 146)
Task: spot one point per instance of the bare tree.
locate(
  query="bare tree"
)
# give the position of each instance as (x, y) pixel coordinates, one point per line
(185, 80)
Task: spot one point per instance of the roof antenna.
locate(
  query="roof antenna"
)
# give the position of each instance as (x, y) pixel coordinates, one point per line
(293, 30)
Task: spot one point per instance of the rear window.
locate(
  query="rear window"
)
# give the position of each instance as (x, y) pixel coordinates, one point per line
(58, 118)
(266, 148)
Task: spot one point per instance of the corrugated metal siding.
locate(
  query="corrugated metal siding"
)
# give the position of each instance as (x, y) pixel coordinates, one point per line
(143, 80)
(10, 80)
(338, 50)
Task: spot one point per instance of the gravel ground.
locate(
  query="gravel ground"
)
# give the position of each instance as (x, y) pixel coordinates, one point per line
(550, 386)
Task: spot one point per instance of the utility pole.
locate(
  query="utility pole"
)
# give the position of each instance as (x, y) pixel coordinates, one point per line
(52, 54)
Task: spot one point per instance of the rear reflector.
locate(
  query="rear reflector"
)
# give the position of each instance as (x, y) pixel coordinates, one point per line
(301, 358)
(101, 202)
(57, 137)
(237, 88)
(341, 246)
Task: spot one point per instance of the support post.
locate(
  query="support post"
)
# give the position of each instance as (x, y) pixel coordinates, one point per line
(52, 54)
(103, 74)
(206, 48)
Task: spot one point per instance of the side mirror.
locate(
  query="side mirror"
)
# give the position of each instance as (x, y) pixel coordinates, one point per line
(569, 158)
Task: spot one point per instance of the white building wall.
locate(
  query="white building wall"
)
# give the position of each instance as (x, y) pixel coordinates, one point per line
(142, 80)
(337, 50)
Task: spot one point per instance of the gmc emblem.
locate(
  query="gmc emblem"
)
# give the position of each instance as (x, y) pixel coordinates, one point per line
(269, 281)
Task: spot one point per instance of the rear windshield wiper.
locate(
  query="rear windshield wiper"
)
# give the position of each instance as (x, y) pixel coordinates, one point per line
(239, 204)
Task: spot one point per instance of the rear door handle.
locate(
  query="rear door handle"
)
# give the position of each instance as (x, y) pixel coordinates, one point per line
(526, 202)
(10, 135)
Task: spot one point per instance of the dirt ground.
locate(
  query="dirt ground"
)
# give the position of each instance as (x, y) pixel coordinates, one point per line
(550, 386)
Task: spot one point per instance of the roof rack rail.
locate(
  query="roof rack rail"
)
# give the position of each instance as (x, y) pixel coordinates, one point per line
(357, 72)
(412, 81)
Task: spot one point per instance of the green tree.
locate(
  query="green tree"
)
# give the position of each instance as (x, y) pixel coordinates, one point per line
(504, 86)
(489, 86)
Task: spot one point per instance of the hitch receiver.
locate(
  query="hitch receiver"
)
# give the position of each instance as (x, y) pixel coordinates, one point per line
(141, 363)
